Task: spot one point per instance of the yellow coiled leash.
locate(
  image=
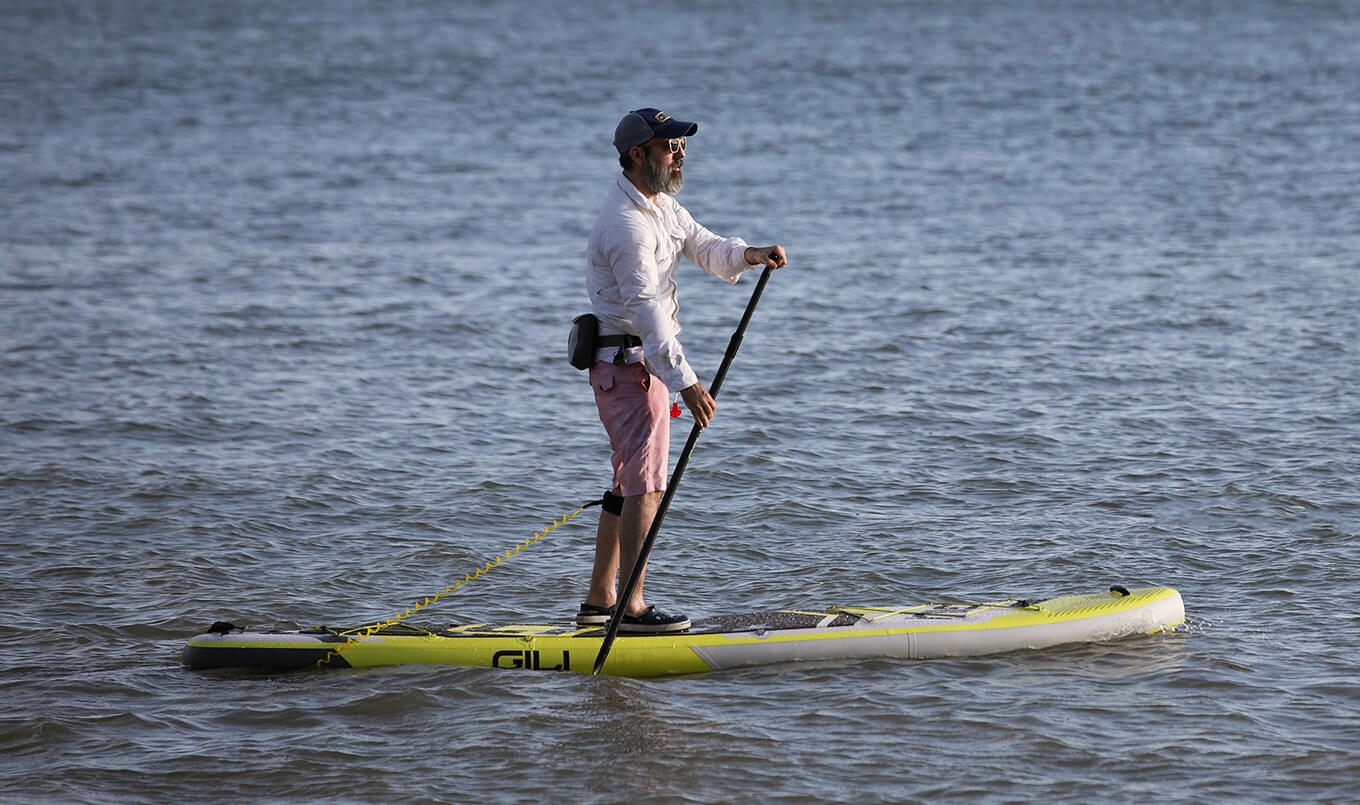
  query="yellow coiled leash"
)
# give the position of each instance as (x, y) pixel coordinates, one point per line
(366, 631)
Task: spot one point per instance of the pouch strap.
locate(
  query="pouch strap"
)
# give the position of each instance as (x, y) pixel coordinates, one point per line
(621, 340)
(624, 340)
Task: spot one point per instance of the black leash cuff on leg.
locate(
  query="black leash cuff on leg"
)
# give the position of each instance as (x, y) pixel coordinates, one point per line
(611, 503)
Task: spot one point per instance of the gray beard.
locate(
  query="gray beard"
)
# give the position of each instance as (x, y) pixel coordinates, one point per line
(659, 178)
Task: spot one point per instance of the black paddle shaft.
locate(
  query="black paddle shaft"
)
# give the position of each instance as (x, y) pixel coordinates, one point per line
(732, 346)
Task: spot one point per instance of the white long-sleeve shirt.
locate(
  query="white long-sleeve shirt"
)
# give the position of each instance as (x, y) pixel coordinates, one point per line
(632, 258)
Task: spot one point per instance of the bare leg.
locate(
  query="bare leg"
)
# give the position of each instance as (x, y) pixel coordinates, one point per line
(604, 577)
(618, 542)
(636, 521)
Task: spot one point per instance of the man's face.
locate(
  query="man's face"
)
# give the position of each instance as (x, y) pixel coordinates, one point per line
(661, 165)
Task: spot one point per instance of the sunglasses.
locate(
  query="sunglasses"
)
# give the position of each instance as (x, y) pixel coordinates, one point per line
(676, 145)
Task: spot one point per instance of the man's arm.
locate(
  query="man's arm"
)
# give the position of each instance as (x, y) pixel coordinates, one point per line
(697, 399)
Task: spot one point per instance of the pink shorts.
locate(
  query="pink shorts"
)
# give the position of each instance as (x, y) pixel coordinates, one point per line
(633, 409)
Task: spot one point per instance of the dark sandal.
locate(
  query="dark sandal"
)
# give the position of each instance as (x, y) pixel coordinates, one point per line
(591, 615)
(653, 621)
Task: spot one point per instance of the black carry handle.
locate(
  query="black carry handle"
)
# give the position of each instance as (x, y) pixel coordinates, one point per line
(732, 346)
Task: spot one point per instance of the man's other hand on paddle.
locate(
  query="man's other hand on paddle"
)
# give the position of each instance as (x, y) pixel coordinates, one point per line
(700, 403)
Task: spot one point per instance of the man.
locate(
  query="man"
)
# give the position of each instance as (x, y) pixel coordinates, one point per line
(633, 255)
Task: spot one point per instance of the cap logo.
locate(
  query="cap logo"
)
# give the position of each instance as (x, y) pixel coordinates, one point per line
(661, 117)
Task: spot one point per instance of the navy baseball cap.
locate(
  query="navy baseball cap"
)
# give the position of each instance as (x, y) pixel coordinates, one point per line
(641, 125)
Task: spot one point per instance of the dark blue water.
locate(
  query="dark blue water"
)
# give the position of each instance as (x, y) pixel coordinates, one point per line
(1073, 300)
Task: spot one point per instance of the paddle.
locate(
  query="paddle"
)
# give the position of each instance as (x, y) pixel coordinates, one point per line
(732, 346)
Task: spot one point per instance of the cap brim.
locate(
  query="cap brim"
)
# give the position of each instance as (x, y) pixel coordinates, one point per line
(675, 128)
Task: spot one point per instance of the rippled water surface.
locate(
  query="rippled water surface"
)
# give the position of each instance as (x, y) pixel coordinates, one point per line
(1073, 300)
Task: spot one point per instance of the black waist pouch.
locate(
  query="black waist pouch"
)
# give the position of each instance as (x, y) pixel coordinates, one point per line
(585, 329)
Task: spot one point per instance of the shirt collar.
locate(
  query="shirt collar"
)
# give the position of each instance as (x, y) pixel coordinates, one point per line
(629, 189)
